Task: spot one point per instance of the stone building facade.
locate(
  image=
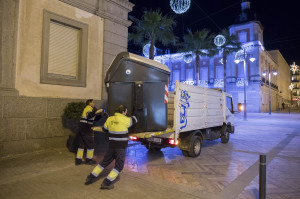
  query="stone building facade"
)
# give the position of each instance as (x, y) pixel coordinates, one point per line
(295, 92)
(250, 34)
(53, 52)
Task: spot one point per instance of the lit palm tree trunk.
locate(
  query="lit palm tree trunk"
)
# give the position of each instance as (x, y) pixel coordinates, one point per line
(224, 63)
(198, 69)
(151, 50)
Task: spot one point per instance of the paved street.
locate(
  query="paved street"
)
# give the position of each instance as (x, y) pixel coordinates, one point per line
(222, 170)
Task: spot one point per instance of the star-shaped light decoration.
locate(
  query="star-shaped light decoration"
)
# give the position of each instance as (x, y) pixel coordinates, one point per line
(294, 68)
(291, 87)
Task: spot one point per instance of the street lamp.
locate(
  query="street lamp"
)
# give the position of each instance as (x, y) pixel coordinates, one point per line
(291, 87)
(241, 56)
(264, 74)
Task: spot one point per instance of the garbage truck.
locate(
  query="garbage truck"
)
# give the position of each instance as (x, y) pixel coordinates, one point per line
(184, 118)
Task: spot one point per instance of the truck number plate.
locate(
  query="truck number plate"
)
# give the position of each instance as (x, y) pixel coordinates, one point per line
(158, 140)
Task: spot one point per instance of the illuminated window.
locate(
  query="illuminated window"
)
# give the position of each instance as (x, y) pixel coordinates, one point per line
(64, 51)
(189, 74)
(176, 75)
(241, 69)
(243, 36)
(204, 73)
(219, 72)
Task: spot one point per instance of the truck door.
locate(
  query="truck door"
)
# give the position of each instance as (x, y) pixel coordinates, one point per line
(229, 110)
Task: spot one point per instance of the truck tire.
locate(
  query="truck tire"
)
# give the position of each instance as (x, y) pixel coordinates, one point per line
(225, 135)
(195, 146)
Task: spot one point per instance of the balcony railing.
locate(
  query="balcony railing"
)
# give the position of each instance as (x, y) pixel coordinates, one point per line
(264, 80)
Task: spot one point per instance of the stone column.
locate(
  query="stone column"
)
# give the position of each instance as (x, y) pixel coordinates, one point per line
(116, 23)
(8, 39)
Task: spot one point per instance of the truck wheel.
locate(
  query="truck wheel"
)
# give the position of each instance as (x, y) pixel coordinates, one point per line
(226, 135)
(195, 147)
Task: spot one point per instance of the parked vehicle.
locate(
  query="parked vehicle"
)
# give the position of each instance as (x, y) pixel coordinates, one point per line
(183, 118)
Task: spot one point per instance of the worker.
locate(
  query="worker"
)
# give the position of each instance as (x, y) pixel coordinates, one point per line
(101, 139)
(117, 127)
(86, 136)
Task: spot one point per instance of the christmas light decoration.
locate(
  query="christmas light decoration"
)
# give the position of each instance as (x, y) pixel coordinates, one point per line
(219, 83)
(203, 83)
(158, 59)
(291, 87)
(180, 6)
(188, 58)
(240, 82)
(294, 68)
(189, 82)
(219, 40)
(240, 56)
(146, 50)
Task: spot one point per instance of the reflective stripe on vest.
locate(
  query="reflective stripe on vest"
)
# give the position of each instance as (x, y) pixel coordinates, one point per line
(88, 109)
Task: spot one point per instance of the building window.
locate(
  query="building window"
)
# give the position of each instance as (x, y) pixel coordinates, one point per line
(243, 36)
(241, 69)
(64, 51)
(204, 73)
(176, 75)
(219, 72)
(189, 74)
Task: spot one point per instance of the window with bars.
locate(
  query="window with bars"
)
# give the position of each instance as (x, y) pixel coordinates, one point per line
(64, 51)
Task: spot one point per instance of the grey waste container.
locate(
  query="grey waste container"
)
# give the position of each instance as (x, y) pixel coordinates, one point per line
(139, 83)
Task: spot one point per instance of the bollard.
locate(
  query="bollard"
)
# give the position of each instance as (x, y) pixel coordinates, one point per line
(262, 177)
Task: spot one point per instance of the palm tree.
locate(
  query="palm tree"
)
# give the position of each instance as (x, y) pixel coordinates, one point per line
(231, 45)
(196, 44)
(151, 28)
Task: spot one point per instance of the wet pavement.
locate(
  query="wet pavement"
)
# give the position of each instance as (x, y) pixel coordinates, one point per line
(221, 171)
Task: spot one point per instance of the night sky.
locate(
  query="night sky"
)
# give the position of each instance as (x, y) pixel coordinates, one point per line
(280, 19)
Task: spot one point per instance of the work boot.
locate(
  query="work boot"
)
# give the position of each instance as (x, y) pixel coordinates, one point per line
(78, 161)
(90, 161)
(90, 179)
(106, 184)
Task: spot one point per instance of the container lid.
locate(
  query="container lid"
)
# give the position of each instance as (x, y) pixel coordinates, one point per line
(126, 56)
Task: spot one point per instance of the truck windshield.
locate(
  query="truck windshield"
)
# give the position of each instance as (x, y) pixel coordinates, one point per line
(229, 103)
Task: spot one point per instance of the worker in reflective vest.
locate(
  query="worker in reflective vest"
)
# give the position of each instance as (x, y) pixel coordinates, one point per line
(117, 127)
(86, 135)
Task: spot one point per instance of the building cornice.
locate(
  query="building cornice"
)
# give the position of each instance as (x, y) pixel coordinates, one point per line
(105, 9)
(248, 22)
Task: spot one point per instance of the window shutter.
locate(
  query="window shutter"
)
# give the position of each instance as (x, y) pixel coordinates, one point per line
(64, 45)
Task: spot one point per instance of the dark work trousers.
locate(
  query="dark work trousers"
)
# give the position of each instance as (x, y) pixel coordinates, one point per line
(86, 136)
(118, 155)
(100, 142)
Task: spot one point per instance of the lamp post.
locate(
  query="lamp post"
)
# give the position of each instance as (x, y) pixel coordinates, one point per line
(264, 74)
(291, 87)
(241, 56)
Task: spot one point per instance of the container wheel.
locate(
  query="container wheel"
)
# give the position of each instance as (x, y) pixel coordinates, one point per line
(195, 147)
(153, 148)
(185, 153)
(225, 135)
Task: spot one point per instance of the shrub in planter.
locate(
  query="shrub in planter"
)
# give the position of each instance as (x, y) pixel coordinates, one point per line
(70, 120)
